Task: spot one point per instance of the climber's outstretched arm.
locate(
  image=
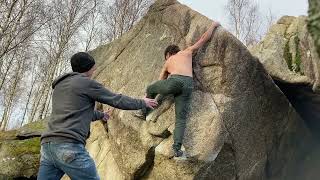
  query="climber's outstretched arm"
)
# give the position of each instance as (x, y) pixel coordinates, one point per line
(204, 38)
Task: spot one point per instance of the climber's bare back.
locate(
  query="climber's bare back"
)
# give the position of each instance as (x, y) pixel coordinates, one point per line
(180, 63)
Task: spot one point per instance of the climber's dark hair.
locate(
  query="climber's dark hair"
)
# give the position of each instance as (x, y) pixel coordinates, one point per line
(171, 50)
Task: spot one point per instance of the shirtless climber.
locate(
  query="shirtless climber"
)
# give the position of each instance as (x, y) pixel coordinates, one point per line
(176, 79)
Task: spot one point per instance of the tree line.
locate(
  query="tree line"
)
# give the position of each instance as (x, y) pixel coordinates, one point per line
(247, 22)
(37, 38)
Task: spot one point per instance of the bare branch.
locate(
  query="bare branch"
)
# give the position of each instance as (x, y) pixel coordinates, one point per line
(244, 17)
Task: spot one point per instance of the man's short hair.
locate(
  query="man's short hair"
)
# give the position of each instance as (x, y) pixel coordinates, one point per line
(172, 50)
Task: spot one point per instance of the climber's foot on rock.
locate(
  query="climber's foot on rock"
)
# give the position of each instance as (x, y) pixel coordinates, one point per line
(179, 155)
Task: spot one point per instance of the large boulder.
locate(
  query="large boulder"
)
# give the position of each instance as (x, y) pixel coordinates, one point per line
(20, 151)
(289, 55)
(288, 52)
(241, 126)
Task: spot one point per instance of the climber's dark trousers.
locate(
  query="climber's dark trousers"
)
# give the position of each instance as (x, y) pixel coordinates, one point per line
(181, 87)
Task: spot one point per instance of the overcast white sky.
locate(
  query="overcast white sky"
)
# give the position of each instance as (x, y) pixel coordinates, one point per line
(215, 9)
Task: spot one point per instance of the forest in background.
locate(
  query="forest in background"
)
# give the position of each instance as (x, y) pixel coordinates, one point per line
(38, 37)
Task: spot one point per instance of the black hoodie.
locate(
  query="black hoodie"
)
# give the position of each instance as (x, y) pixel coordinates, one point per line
(73, 102)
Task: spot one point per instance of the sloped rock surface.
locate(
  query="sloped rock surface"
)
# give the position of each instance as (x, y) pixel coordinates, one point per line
(241, 126)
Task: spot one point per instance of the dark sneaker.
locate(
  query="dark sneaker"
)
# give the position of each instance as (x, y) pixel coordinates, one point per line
(140, 114)
(181, 156)
(177, 153)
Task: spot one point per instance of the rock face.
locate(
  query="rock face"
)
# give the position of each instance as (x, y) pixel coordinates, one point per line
(20, 151)
(290, 56)
(288, 52)
(241, 126)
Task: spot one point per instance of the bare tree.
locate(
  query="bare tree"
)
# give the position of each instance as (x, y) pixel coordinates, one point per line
(270, 19)
(58, 33)
(89, 32)
(121, 15)
(6, 63)
(30, 92)
(19, 20)
(13, 87)
(245, 20)
(38, 37)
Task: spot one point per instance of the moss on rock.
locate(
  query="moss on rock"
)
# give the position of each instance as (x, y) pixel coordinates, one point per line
(20, 158)
(288, 55)
(8, 135)
(20, 147)
(297, 59)
(314, 22)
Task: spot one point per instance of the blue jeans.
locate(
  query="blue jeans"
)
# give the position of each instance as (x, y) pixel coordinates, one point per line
(72, 159)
